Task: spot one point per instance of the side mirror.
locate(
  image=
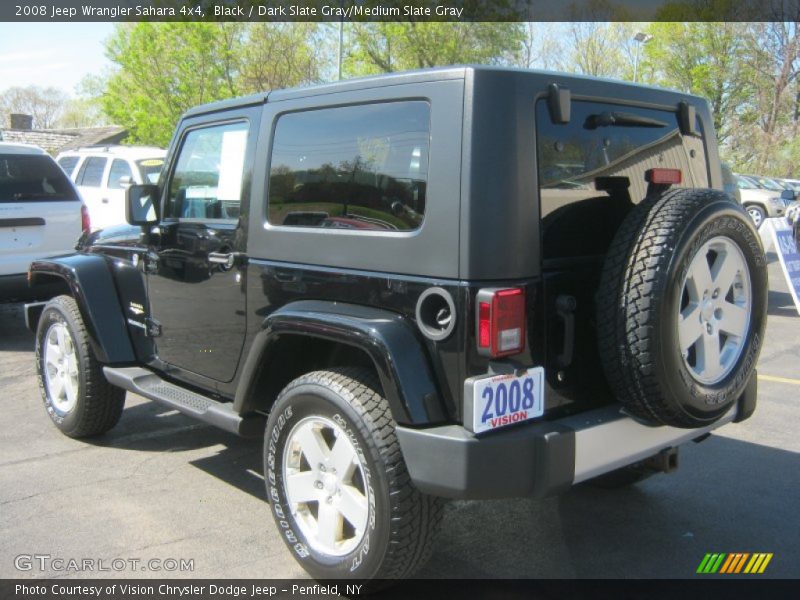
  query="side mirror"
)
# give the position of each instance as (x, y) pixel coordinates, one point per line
(788, 195)
(125, 181)
(141, 204)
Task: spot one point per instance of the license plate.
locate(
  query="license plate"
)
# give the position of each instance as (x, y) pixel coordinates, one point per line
(504, 400)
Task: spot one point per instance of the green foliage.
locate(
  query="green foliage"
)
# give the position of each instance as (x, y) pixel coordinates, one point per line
(706, 59)
(398, 46)
(748, 73)
(165, 68)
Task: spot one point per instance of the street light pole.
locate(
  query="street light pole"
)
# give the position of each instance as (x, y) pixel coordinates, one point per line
(641, 39)
(341, 45)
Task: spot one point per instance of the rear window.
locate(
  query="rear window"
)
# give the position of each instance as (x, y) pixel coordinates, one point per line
(33, 178)
(353, 167)
(586, 165)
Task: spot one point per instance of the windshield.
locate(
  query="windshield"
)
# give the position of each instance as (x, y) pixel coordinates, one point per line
(25, 177)
(150, 169)
(768, 184)
(744, 183)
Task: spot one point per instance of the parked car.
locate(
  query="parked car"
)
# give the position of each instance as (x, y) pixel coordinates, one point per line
(761, 198)
(792, 184)
(41, 215)
(103, 173)
(499, 315)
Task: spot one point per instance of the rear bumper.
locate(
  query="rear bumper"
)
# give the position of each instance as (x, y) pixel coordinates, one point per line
(544, 458)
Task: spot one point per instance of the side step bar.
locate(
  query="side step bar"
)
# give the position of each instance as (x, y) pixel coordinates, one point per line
(220, 414)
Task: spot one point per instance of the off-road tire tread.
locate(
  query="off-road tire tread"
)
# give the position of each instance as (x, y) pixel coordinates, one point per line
(102, 402)
(416, 517)
(629, 297)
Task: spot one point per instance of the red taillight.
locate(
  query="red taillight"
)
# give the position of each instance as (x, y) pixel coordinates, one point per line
(501, 321)
(484, 325)
(86, 223)
(668, 176)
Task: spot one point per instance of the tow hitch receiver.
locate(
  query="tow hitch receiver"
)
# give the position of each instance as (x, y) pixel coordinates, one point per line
(665, 461)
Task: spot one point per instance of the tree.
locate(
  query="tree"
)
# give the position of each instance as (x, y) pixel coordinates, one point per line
(45, 105)
(399, 46)
(279, 55)
(540, 47)
(599, 49)
(86, 109)
(706, 59)
(163, 69)
(774, 50)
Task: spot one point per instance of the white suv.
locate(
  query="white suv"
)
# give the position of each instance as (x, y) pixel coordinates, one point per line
(41, 215)
(102, 174)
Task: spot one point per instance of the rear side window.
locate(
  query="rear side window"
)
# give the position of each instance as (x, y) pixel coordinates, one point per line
(68, 163)
(31, 178)
(119, 169)
(91, 172)
(591, 170)
(354, 167)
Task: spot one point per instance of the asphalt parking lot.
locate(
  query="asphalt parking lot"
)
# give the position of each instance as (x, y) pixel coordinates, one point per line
(161, 486)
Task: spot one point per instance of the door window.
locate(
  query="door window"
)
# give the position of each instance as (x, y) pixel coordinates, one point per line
(207, 181)
(91, 173)
(119, 169)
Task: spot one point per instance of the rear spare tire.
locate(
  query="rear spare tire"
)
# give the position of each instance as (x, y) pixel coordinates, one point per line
(681, 307)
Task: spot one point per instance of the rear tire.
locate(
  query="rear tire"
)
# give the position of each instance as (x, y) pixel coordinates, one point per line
(76, 395)
(340, 492)
(681, 307)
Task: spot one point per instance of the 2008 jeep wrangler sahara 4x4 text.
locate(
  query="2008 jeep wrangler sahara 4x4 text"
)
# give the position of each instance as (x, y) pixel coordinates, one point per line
(464, 282)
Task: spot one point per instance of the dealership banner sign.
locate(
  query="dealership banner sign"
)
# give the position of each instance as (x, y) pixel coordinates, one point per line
(778, 234)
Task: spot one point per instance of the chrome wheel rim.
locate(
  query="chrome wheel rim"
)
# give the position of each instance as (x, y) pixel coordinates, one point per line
(61, 368)
(714, 311)
(326, 486)
(755, 214)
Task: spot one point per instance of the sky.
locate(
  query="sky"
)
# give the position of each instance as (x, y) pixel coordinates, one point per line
(51, 54)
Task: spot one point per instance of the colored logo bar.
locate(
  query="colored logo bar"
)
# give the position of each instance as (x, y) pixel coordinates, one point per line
(734, 562)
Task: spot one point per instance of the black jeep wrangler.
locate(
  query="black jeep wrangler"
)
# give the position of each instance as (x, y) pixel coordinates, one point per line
(454, 283)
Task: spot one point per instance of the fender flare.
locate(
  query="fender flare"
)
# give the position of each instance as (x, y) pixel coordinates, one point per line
(92, 286)
(386, 337)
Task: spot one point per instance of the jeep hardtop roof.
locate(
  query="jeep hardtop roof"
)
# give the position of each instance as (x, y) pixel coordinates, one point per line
(623, 89)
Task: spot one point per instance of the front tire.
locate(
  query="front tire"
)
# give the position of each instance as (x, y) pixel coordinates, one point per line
(76, 395)
(340, 492)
